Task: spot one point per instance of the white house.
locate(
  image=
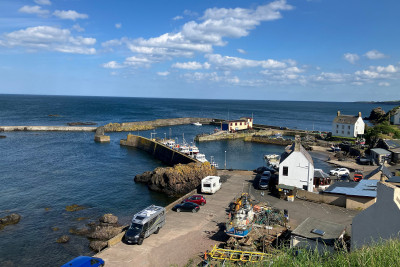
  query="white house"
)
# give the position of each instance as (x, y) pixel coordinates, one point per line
(395, 118)
(296, 167)
(381, 220)
(347, 125)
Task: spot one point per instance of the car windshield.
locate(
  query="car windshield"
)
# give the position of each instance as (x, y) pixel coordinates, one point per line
(135, 226)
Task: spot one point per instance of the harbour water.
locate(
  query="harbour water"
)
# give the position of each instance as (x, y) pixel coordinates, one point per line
(42, 172)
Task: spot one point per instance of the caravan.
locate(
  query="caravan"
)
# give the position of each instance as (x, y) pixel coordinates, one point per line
(145, 223)
(210, 184)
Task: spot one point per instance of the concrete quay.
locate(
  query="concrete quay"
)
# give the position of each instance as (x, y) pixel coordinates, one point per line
(48, 128)
(186, 236)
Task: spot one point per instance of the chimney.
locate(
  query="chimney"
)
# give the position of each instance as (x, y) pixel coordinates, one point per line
(297, 143)
(338, 113)
(359, 114)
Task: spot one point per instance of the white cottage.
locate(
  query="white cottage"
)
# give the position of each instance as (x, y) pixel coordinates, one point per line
(347, 125)
(296, 167)
(380, 221)
(395, 118)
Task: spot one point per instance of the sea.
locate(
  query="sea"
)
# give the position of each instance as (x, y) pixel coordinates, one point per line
(43, 172)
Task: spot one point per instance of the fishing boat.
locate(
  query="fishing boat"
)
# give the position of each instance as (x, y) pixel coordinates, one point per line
(200, 157)
(197, 124)
(272, 160)
(213, 163)
(168, 142)
(241, 219)
(193, 149)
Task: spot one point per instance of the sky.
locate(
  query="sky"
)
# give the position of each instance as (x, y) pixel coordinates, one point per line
(318, 50)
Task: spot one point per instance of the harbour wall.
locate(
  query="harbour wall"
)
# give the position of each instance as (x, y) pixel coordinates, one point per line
(267, 140)
(48, 128)
(159, 151)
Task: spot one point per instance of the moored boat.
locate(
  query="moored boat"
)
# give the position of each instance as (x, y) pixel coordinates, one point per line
(241, 219)
(197, 124)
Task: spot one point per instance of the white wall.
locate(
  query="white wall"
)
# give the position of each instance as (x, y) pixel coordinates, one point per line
(379, 221)
(348, 130)
(395, 119)
(300, 171)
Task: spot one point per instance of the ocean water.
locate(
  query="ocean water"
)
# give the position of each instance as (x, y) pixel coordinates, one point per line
(42, 172)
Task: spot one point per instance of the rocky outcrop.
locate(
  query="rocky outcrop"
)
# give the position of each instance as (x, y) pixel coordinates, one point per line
(377, 114)
(99, 233)
(63, 239)
(13, 218)
(177, 180)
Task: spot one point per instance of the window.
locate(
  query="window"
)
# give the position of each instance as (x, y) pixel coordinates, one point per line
(348, 133)
(285, 171)
(348, 127)
(342, 126)
(337, 125)
(235, 123)
(337, 131)
(342, 132)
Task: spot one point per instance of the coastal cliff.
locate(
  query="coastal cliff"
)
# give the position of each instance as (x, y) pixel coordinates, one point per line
(177, 180)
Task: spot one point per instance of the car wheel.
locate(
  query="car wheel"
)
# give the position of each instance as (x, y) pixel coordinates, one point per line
(140, 241)
(202, 203)
(178, 210)
(194, 210)
(156, 231)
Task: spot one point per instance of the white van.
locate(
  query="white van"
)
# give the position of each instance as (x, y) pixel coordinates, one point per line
(210, 184)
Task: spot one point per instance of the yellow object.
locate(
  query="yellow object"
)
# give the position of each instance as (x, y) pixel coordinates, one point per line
(238, 255)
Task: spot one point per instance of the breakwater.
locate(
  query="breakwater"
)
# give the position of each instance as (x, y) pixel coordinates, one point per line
(223, 135)
(48, 128)
(157, 150)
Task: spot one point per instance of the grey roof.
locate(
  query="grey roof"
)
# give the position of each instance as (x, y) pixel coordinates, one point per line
(345, 119)
(290, 150)
(332, 230)
(364, 188)
(382, 169)
(394, 179)
(380, 151)
(318, 173)
(392, 143)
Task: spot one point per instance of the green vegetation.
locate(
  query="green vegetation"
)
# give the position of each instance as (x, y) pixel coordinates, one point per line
(383, 254)
(383, 130)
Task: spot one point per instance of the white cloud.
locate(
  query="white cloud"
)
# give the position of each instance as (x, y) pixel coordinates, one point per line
(226, 62)
(118, 25)
(112, 65)
(382, 84)
(200, 37)
(374, 54)
(78, 28)
(43, 2)
(193, 65)
(69, 14)
(177, 18)
(33, 10)
(49, 38)
(241, 51)
(352, 58)
(163, 73)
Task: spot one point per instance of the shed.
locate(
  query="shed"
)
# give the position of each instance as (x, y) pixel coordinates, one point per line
(392, 145)
(358, 194)
(314, 234)
(380, 155)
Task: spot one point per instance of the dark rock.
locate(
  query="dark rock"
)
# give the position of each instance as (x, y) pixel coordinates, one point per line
(105, 233)
(80, 231)
(109, 219)
(63, 239)
(3, 136)
(97, 245)
(54, 115)
(9, 219)
(177, 180)
(74, 207)
(377, 114)
(55, 228)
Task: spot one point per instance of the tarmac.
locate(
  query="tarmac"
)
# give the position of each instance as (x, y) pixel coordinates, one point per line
(186, 236)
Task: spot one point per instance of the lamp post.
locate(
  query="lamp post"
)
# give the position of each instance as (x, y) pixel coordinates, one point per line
(165, 136)
(225, 159)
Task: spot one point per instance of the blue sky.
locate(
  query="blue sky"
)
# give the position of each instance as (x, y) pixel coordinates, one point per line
(324, 50)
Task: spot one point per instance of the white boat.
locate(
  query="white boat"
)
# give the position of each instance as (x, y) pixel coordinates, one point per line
(213, 163)
(193, 149)
(168, 142)
(200, 157)
(197, 124)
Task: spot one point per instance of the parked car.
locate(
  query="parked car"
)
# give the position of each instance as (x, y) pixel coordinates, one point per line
(186, 206)
(358, 176)
(198, 199)
(364, 161)
(263, 183)
(144, 223)
(339, 171)
(84, 261)
(345, 177)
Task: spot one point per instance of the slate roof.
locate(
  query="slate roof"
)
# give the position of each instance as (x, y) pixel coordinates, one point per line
(318, 173)
(381, 168)
(364, 188)
(394, 179)
(380, 151)
(332, 230)
(392, 143)
(345, 119)
(290, 149)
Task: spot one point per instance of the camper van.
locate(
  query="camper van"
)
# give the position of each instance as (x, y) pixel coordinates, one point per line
(210, 184)
(145, 223)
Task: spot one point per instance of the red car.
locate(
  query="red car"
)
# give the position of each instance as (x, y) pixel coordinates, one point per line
(198, 199)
